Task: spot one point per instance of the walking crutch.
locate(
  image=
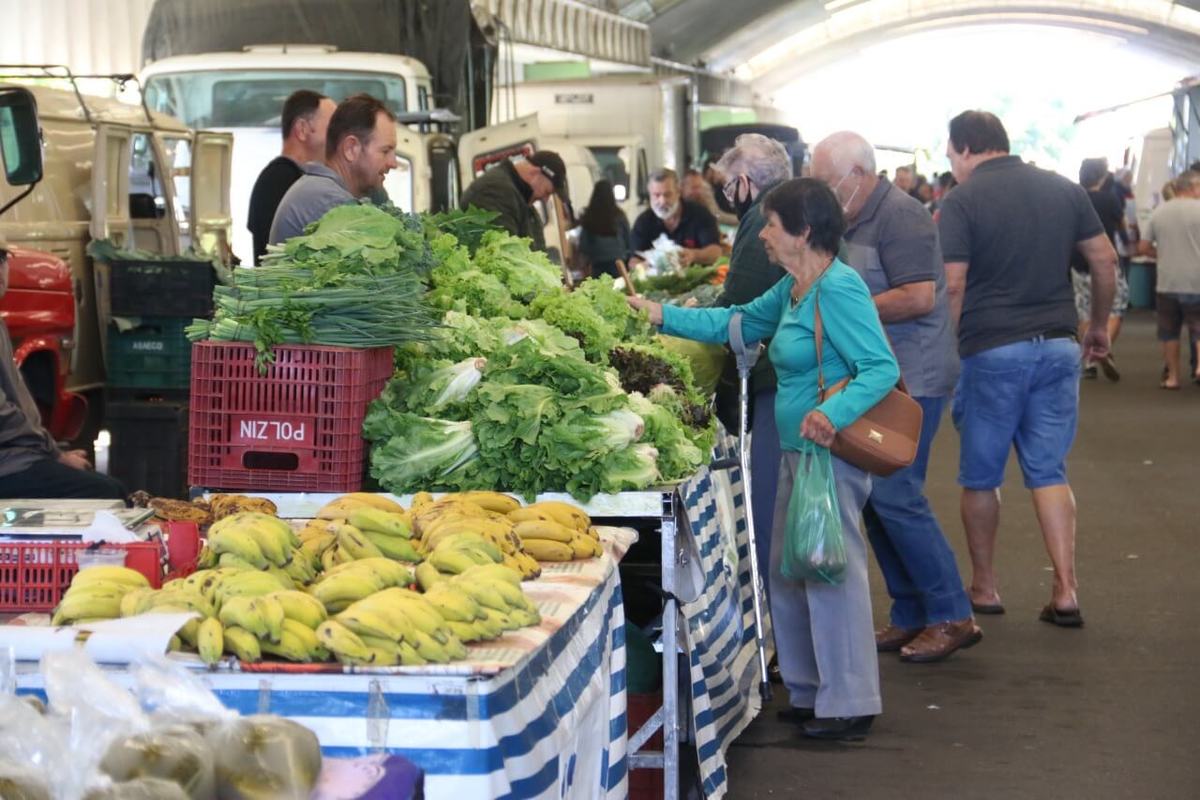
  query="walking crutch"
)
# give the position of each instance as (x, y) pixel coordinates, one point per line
(746, 356)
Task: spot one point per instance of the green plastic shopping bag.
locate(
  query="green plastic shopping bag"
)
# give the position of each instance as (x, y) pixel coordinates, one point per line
(814, 548)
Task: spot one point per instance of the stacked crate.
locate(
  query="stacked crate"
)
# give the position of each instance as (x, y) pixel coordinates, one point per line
(148, 361)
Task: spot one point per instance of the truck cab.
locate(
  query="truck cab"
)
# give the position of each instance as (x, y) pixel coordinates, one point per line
(39, 306)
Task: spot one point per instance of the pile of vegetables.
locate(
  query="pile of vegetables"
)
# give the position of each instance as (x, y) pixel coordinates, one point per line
(354, 279)
(526, 387)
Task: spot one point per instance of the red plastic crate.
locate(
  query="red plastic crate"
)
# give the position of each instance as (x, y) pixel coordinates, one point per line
(298, 428)
(34, 575)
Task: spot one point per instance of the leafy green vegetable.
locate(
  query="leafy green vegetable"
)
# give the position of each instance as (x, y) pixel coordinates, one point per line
(467, 227)
(635, 467)
(627, 325)
(419, 451)
(574, 314)
(526, 273)
(673, 283)
(435, 385)
(678, 455)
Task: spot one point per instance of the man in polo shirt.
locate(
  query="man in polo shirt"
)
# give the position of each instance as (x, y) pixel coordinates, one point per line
(892, 243)
(1007, 233)
(512, 187)
(360, 150)
(689, 225)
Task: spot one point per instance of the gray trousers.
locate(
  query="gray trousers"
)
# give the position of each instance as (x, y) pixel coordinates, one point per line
(824, 634)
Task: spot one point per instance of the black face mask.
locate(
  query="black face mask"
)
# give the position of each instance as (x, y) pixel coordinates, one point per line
(741, 206)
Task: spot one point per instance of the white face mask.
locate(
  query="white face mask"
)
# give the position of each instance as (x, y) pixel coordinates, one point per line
(849, 200)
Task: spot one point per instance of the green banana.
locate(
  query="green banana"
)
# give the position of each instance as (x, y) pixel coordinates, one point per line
(430, 649)
(342, 642)
(234, 561)
(110, 574)
(511, 593)
(387, 645)
(300, 569)
(301, 607)
(453, 603)
(352, 541)
(525, 618)
(409, 657)
(344, 588)
(297, 643)
(189, 634)
(465, 631)
(210, 641)
(424, 617)
(495, 571)
(373, 519)
(505, 622)
(455, 648)
(393, 547)
(483, 593)
(427, 576)
(249, 613)
(241, 643)
(239, 543)
(450, 561)
(281, 575)
(274, 616)
(245, 584)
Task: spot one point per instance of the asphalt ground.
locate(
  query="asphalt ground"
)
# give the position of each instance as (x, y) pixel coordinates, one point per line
(1111, 710)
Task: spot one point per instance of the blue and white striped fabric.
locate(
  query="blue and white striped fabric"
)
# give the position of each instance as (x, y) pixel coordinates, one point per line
(554, 726)
(720, 623)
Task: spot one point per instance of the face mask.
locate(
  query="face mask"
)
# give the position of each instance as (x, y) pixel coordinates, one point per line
(741, 205)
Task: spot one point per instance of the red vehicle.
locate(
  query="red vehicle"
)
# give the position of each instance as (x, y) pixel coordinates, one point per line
(39, 310)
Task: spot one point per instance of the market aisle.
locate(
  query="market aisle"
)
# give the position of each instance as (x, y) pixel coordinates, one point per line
(1110, 711)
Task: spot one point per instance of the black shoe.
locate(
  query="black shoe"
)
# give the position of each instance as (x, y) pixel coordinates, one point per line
(773, 673)
(796, 716)
(1090, 372)
(838, 729)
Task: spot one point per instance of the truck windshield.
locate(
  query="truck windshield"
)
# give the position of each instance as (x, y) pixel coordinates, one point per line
(254, 98)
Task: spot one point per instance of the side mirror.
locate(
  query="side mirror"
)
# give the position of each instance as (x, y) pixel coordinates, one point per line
(20, 137)
(620, 192)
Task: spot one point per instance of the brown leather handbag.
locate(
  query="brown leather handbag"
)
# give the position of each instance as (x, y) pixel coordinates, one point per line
(886, 437)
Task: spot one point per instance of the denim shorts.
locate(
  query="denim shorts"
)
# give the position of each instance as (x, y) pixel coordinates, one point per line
(1024, 394)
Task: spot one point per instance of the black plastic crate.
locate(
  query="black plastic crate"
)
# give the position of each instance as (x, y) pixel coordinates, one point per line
(149, 446)
(158, 288)
(155, 356)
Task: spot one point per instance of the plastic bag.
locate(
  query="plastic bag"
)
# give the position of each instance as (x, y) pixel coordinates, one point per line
(814, 548)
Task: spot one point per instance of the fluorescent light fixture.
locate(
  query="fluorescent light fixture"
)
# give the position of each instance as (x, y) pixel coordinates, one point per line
(834, 5)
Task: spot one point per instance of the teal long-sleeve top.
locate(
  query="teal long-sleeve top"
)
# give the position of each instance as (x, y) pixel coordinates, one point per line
(853, 345)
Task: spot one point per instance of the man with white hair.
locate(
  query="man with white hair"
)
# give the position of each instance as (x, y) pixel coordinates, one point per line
(688, 224)
(892, 242)
(754, 165)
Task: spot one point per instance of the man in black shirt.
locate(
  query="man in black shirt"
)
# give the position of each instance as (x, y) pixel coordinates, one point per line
(304, 123)
(691, 226)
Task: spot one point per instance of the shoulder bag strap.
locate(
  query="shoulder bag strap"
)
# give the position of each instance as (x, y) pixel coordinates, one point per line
(818, 335)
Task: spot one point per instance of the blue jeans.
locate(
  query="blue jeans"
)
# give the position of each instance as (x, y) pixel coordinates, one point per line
(764, 472)
(1024, 394)
(913, 554)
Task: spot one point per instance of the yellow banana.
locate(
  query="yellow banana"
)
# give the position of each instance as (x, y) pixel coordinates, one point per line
(488, 625)
(376, 501)
(483, 593)
(275, 542)
(248, 613)
(390, 646)
(529, 514)
(394, 547)
(512, 594)
(409, 657)
(505, 621)
(427, 576)
(342, 642)
(431, 650)
(345, 588)
(351, 541)
(231, 561)
(420, 612)
(110, 574)
(193, 601)
(245, 584)
(281, 575)
(548, 531)
(372, 519)
(546, 550)
(175, 645)
(88, 602)
(454, 647)
(241, 643)
(210, 640)
(525, 617)
(593, 532)
(207, 558)
(565, 513)
(239, 543)
(420, 502)
(383, 570)
(492, 501)
(452, 603)
(465, 631)
(451, 561)
(495, 572)
(190, 632)
(581, 545)
(131, 602)
(339, 508)
(376, 622)
(301, 607)
(297, 642)
(530, 568)
(300, 569)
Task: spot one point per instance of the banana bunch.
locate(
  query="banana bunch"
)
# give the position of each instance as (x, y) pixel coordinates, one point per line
(357, 526)
(474, 514)
(254, 539)
(553, 531)
(344, 584)
(282, 624)
(392, 627)
(96, 593)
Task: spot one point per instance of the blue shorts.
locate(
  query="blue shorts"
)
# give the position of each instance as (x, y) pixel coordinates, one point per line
(1024, 394)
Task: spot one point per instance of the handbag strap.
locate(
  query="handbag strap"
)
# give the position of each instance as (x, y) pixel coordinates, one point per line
(819, 334)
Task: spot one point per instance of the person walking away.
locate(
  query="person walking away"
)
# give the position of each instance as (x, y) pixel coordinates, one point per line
(822, 631)
(1172, 238)
(603, 231)
(360, 150)
(689, 225)
(1011, 298)
(32, 465)
(304, 123)
(1095, 177)
(892, 243)
(511, 188)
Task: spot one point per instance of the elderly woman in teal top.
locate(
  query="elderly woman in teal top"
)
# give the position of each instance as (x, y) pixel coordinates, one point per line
(823, 633)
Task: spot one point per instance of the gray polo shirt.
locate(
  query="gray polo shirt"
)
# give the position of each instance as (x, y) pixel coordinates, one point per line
(892, 242)
(1174, 228)
(318, 190)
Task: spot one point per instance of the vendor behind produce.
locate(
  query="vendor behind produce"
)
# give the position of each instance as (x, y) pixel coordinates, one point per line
(360, 150)
(31, 462)
(512, 187)
(689, 225)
